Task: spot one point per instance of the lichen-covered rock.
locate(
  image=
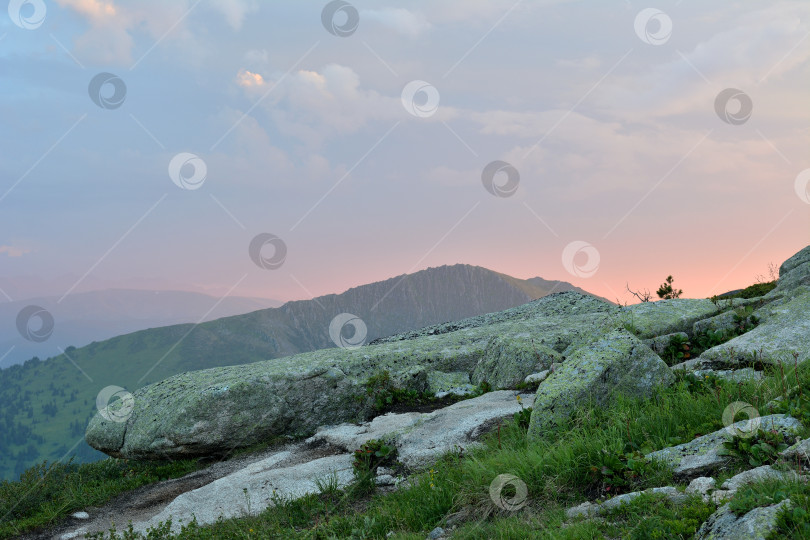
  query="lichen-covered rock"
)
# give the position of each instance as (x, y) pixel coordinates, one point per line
(249, 491)
(441, 383)
(758, 474)
(757, 524)
(559, 307)
(212, 411)
(701, 485)
(734, 375)
(784, 330)
(537, 378)
(588, 509)
(721, 322)
(704, 454)
(651, 319)
(793, 273)
(420, 439)
(659, 344)
(509, 363)
(616, 363)
(799, 452)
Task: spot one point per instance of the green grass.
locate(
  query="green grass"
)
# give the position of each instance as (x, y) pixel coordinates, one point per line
(557, 469)
(47, 492)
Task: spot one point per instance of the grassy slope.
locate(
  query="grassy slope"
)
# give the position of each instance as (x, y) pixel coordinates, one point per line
(45, 406)
(564, 468)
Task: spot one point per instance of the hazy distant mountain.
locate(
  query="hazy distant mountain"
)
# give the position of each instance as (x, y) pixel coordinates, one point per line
(94, 316)
(45, 406)
(13, 288)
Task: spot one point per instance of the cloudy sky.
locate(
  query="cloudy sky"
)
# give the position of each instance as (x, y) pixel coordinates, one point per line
(349, 143)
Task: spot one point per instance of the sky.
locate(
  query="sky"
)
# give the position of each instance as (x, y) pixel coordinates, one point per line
(298, 148)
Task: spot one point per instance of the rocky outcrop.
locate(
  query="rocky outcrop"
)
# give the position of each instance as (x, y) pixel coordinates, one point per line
(589, 509)
(651, 319)
(758, 474)
(616, 363)
(420, 439)
(798, 453)
(794, 273)
(757, 524)
(784, 330)
(212, 411)
(704, 454)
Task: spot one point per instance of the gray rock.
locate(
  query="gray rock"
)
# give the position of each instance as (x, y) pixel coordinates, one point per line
(385, 480)
(211, 411)
(73, 534)
(251, 490)
(438, 381)
(659, 344)
(720, 496)
(755, 525)
(734, 375)
(765, 472)
(701, 485)
(722, 321)
(798, 452)
(616, 363)
(537, 378)
(553, 307)
(438, 532)
(784, 330)
(421, 439)
(794, 273)
(651, 319)
(588, 509)
(80, 515)
(704, 454)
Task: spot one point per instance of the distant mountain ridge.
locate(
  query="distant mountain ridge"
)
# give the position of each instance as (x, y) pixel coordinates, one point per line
(45, 406)
(83, 317)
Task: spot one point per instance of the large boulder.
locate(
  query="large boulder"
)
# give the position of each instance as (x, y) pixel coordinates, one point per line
(212, 411)
(758, 524)
(793, 273)
(650, 319)
(784, 331)
(615, 363)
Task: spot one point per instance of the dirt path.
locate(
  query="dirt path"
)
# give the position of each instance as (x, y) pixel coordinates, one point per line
(147, 501)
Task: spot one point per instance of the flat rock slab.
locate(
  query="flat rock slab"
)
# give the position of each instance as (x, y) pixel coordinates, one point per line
(421, 439)
(733, 375)
(799, 452)
(703, 455)
(251, 490)
(759, 474)
(651, 319)
(209, 412)
(588, 509)
(755, 525)
(784, 330)
(616, 363)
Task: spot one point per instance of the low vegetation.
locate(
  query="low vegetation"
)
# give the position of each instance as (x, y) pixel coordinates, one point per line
(50, 491)
(597, 454)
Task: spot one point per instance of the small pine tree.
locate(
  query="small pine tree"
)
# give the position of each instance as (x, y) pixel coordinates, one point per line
(666, 291)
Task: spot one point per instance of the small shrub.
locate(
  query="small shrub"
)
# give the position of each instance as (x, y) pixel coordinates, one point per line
(666, 291)
(761, 449)
(372, 455)
(383, 394)
(677, 351)
(618, 472)
(794, 522)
